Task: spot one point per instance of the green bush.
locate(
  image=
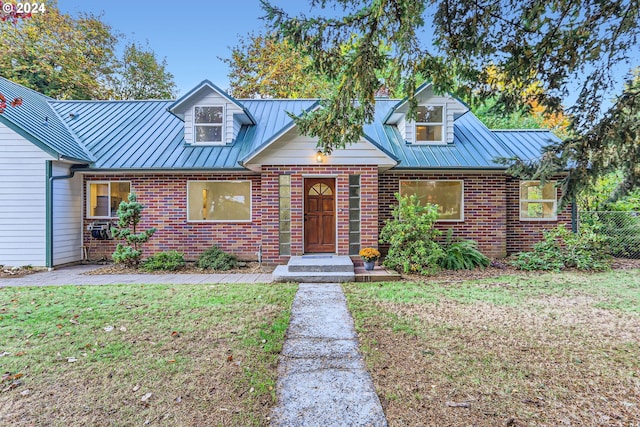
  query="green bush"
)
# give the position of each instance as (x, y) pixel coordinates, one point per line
(164, 261)
(126, 255)
(462, 254)
(561, 248)
(216, 259)
(410, 234)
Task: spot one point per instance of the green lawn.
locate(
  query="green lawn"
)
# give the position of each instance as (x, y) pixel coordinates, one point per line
(536, 349)
(141, 354)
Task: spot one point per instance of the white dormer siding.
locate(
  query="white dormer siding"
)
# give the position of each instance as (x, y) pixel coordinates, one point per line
(231, 124)
(425, 98)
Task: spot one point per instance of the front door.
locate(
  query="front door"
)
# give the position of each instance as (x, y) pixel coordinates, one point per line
(319, 215)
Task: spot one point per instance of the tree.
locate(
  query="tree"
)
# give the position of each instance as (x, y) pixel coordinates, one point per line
(558, 43)
(129, 216)
(10, 17)
(74, 58)
(58, 55)
(263, 67)
(140, 76)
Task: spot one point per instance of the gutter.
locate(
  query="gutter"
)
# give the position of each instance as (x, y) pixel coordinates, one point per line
(49, 209)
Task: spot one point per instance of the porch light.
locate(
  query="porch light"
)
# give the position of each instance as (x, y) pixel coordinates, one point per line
(319, 157)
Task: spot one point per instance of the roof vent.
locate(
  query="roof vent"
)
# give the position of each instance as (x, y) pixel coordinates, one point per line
(46, 121)
(72, 116)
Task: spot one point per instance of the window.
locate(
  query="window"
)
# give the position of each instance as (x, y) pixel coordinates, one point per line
(430, 124)
(209, 122)
(354, 214)
(538, 202)
(447, 194)
(105, 197)
(219, 201)
(285, 214)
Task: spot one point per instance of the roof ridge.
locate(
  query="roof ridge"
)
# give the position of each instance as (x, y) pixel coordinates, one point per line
(522, 130)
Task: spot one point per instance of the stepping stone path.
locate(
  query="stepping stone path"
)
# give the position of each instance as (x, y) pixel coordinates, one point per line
(322, 379)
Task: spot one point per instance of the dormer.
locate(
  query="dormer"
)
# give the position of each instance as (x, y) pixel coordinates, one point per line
(433, 124)
(210, 115)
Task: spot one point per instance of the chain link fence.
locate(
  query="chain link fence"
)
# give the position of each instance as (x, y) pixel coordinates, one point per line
(622, 230)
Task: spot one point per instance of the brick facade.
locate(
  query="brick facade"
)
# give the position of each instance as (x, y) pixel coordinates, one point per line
(491, 212)
(165, 197)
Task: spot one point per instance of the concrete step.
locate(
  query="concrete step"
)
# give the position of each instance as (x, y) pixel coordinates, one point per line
(282, 274)
(320, 264)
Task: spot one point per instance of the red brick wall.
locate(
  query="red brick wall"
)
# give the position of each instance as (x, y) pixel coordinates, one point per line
(164, 197)
(368, 201)
(485, 215)
(491, 211)
(521, 235)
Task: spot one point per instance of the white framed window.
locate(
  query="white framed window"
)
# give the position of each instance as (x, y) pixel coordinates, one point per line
(429, 125)
(538, 202)
(104, 197)
(447, 194)
(219, 201)
(208, 124)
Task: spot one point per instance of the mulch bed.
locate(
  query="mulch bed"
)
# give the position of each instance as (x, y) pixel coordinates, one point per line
(244, 268)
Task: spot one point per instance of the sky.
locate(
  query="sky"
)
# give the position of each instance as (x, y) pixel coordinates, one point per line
(193, 34)
(190, 34)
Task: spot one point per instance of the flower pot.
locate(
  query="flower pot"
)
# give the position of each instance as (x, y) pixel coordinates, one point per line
(368, 265)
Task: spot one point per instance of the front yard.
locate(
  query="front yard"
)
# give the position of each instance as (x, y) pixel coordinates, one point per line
(552, 349)
(120, 355)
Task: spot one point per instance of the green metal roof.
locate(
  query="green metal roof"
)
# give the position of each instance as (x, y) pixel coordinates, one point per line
(38, 122)
(145, 135)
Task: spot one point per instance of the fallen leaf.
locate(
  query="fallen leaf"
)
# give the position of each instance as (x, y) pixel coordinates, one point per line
(4, 353)
(178, 399)
(59, 326)
(123, 328)
(21, 353)
(25, 392)
(136, 387)
(146, 397)
(230, 358)
(67, 334)
(74, 321)
(71, 359)
(171, 361)
(18, 375)
(108, 328)
(175, 334)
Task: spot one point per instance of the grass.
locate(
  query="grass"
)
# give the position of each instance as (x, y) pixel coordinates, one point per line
(549, 349)
(89, 355)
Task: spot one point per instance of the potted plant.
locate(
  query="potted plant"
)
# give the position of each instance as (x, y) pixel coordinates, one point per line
(369, 256)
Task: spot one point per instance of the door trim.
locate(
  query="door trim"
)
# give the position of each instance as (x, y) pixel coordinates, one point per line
(335, 210)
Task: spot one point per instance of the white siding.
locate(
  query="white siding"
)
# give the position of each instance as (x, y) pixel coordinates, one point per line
(67, 216)
(212, 98)
(22, 201)
(295, 149)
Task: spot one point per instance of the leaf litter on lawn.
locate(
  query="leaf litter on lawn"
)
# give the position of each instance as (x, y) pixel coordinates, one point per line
(448, 357)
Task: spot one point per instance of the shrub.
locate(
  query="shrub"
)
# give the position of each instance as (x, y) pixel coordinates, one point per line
(129, 216)
(410, 234)
(216, 259)
(561, 248)
(461, 254)
(164, 261)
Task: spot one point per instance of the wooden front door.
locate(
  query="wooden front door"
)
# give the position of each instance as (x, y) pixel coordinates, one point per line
(319, 215)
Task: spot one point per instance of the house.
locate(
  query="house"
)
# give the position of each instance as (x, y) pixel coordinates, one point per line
(211, 169)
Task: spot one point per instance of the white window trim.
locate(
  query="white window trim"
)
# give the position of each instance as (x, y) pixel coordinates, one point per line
(88, 201)
(441, 180)
(222, 126)
(227, 221)
(521, 201)
(443, 141)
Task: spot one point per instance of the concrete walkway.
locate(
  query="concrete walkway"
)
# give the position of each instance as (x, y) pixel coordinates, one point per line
(74, 275)
(322, 379)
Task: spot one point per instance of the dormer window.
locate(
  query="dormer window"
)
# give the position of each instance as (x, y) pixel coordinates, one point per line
(430, 124)
(209, 124)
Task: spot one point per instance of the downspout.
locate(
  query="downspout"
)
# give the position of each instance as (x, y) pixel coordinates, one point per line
(49, 209)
